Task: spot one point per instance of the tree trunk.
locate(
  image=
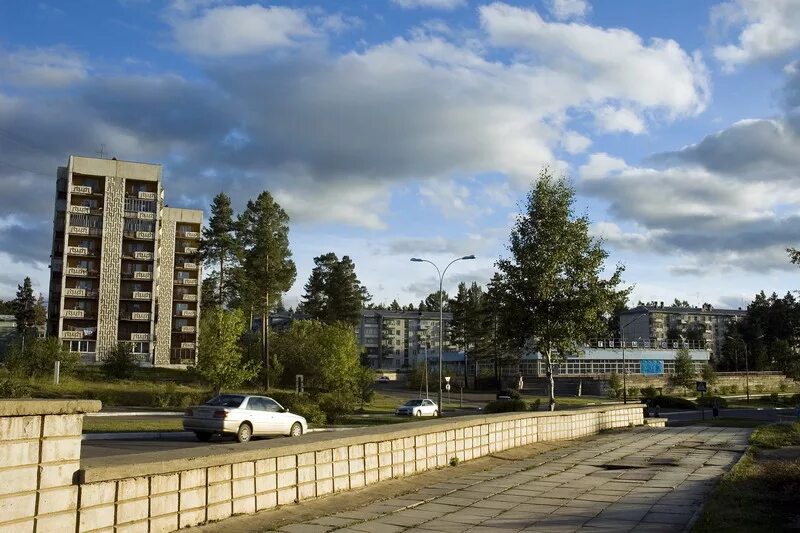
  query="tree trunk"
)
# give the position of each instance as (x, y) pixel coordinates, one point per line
(221, 279)
(264, 358)
(266, 339)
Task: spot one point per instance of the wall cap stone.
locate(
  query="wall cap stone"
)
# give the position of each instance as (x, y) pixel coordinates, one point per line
(33, 406)
(163, 462)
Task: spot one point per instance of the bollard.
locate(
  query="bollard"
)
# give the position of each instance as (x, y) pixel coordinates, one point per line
(56, 372)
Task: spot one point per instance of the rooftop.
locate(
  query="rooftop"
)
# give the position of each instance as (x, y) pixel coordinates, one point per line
(706, 310)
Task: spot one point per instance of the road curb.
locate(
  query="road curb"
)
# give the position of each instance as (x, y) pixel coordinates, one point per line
(137, 413)
(137, 435)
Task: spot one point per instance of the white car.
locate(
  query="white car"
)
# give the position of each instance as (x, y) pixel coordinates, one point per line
(418, 408)
(243, 416)
(383, 379)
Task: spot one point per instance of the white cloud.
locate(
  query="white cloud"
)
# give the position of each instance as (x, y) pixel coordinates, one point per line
(614, 63)
(567, 9)
(446, 5)
(600, 165)
(575, 143)
(50, 67)
(451, 199)
(235, 30)
(767, 28)
(613, 120)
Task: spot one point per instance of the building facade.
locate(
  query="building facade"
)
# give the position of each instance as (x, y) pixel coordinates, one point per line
(123, 267)
(398, 339)
(656, 323)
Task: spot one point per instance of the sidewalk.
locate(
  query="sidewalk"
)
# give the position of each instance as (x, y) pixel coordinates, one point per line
(633, 480)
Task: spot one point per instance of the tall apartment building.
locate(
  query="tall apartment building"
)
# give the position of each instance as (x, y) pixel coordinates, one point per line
(123, 265)
(652, 323)
(396, 339)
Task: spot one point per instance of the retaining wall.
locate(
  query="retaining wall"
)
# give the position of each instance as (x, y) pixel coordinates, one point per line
(166, 491)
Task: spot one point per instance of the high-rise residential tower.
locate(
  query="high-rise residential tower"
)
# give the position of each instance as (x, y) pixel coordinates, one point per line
(123, 266)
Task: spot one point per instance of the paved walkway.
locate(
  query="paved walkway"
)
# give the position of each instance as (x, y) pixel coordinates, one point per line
(634, 480)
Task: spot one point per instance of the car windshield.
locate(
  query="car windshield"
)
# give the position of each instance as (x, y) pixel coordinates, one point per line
(413, 403)
(226, 400)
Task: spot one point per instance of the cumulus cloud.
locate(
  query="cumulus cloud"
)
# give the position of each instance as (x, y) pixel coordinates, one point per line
(765, 29)
(235, 30)
(567, 9)
(609, 119)
(616, 63)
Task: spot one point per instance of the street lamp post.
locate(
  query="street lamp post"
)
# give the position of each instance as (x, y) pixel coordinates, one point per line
(624, 364)
(746, 365)
(441, 307)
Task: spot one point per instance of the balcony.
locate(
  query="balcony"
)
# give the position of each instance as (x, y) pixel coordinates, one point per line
(186, 313)
(141, 256)
(185, 329)
(143, 275)
(139, 337)
(187, 345)
(73, 313)
(189, 234)
(186, 281)
(188, 297)
(82, 251)
(84, 230)
(85, 210)
(138, 316)
(76, 292)
(146, 195)
(81, 189)
(78, 334)
(188, 250)
(186, 265)
(137, 295)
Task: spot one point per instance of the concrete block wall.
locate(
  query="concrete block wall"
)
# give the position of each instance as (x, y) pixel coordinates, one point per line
(177, 489)
(40, 447)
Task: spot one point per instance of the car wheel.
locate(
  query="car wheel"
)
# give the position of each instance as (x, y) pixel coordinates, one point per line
(435, 413)
(203, 436)
(244, 433)
(418, 412)
(296, 430)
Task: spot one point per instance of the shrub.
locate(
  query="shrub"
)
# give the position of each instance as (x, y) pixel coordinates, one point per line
(535, 404)
(119, 362)
(615, 386)
(783, 387)
(673, 402)
(39, 357)
(302, 405)
(633, 392)
(10, 388)
(649, 392)
(505, 406)
(336, 405)
(734, 388)
(708, 401)
(760, 387)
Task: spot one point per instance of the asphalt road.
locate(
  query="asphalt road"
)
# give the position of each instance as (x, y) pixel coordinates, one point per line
(766, 414)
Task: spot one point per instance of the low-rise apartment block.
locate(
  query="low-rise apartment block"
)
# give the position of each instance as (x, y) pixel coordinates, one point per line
(653, 324)
(397, 339)
(123, 265)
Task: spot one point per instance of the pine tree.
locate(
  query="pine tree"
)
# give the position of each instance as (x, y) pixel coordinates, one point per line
(25, 307)
(553, 297)
(268, 269)
(432, 301)
(333, 291)
(394, 306)
(219, 247)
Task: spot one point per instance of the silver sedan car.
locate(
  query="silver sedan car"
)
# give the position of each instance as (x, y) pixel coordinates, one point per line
(243, 416)
(422, 407)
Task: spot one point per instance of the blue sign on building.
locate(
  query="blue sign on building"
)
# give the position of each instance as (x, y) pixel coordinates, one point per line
(651, 366)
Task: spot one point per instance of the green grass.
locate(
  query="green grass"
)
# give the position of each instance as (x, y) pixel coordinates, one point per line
(727, 423)
(759, 493)
(110, 424)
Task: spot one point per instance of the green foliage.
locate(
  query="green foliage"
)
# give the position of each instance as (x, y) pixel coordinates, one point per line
(615, 385)
(416, 377)
(302, 405)
(336, 404)
(633, 392)
(268, 269)
(25, 307)
(708, 375)
(326, 355)
(333, 291)
(673, 402)
(219, 353)
(454, 461)
(220, 249)
(535, 404)
(119, 362)
(364, 385)
(649, 391)
(12, 388)
(776, 435)
(760, 387)
(552, 296)
(505, 406)
(38, 357)
(684, 374)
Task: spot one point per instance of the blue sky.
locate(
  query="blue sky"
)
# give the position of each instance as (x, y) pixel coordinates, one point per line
(399, 128)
